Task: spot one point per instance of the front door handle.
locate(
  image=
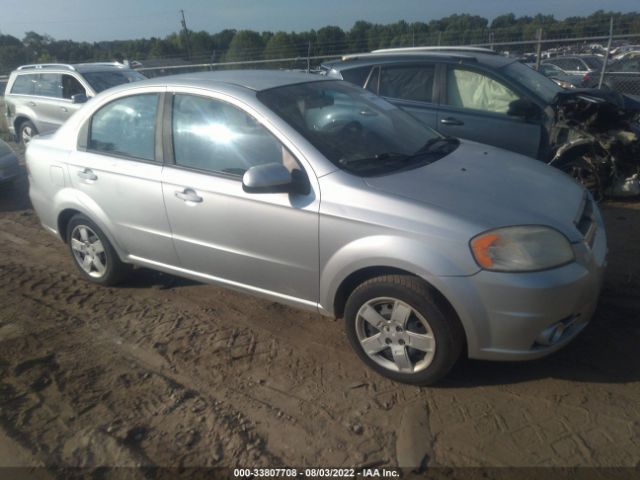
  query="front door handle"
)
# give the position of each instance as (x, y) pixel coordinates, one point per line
(32, 104)
(451, 121)
(87, 174)
(64, 109)
(188, 195)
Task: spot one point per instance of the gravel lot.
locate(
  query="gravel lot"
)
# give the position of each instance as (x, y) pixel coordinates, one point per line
(168, 372)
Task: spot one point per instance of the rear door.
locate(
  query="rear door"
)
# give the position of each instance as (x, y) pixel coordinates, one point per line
(475, 107)
(410, 86)
(118, 169)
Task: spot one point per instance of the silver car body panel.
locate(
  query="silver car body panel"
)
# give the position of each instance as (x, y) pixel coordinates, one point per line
(299, 249)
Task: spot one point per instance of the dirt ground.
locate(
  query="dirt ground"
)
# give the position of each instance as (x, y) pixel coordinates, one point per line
(167, 372)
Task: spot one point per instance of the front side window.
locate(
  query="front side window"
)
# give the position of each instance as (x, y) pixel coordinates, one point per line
(357, 76)
(24, 85)
(71, 86)
(126, 127)
(475, 91)
(408, 83)
(215, 136)
(49, 85)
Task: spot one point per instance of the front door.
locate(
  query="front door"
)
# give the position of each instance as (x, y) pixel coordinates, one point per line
(263, 242)
(475, 108)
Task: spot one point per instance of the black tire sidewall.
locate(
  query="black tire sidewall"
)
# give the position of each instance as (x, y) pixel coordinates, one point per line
(448, 341)
(113, 264)
(26, 123)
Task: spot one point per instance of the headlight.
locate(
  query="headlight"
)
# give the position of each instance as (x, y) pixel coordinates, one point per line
(521, 249)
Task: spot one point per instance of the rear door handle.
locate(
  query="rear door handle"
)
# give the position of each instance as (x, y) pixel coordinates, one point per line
(188, 195)
(32, 104)
(87, 174)
(64, 109)
(451, 121)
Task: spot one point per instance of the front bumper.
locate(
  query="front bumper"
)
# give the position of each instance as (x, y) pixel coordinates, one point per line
(506, 314)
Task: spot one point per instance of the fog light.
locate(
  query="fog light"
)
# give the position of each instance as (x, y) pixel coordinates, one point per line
(552, 334)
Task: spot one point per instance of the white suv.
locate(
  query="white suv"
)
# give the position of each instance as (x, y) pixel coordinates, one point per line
(39, 98)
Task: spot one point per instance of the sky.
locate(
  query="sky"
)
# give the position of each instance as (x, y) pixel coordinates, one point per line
(95, 20)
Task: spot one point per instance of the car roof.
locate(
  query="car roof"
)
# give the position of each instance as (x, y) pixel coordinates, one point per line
(489, 59)
(256, 80)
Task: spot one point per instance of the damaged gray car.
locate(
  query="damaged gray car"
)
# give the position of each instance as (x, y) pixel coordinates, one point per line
(478, 95)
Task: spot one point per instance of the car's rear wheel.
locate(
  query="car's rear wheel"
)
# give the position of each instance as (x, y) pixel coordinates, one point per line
(27, 131)
(92, 252)
(397, 328)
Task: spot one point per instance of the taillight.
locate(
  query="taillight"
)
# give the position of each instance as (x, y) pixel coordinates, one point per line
(585, 79)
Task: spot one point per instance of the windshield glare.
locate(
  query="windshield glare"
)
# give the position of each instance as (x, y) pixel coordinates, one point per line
(348, 124)
(100, 81)
(541, 86)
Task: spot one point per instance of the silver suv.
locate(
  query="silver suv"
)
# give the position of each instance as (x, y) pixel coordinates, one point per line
(39, 98)
(322, 195)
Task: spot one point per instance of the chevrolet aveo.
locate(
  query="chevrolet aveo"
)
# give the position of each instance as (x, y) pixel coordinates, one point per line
(316, 193)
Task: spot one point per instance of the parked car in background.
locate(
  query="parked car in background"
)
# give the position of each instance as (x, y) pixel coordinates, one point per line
(559, 76)
(317, 193)
(9, 165)
(577, 64)
(622, 75)
(482, 96)
(39, 98)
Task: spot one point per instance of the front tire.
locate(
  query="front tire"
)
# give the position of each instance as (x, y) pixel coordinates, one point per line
(27, 131)
(92, 252)
(398, 329)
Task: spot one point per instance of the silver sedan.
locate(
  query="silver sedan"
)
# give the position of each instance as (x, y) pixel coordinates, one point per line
(318, 194)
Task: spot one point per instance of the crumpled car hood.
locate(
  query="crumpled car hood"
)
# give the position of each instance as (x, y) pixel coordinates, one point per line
(492, 188)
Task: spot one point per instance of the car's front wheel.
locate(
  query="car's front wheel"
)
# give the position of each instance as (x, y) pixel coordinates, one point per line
(397, 328)
(27, 131)
(92, 252)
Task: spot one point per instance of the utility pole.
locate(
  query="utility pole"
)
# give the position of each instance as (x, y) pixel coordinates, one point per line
(606, 54)
(538, 47)
(186, 35)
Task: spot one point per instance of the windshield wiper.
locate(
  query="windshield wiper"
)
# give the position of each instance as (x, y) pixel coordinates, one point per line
(379, 159)
(436, 144)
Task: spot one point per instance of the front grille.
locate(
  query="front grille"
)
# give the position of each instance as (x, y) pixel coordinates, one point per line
(586, 222)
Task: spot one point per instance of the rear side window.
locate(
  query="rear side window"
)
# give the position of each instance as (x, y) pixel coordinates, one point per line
(49, 85)
(24, 85)
(408, 83)
(357, 76)
(126, 127)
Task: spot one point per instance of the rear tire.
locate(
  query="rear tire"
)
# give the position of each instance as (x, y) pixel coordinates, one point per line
(397, 328)
(93, 254)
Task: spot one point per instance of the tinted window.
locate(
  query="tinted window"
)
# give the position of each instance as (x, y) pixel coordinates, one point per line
(408, 83)
(215, 136)
(373, 82)
(357, 76)
(126, 127)
(24, 85)
(100, 81)
(49, 85)
(71, 86)
(472, 90)
(593, 63)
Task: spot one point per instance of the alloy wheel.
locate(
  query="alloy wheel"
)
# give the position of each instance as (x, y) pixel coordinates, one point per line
(88, 251)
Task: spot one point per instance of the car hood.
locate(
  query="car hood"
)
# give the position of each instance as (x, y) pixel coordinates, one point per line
(491, 188)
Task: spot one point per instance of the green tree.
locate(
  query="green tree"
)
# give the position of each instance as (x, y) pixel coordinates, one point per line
(246, 45)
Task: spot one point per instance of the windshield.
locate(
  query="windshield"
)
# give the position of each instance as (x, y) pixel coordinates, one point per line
(541, 86)
(354, 128)
(100, 81)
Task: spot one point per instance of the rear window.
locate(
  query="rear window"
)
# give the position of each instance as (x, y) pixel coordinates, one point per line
(24, 85)
(593, 63)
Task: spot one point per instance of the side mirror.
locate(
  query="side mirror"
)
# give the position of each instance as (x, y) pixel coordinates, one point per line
(268, 178)
(79, 98)
(523, 107)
